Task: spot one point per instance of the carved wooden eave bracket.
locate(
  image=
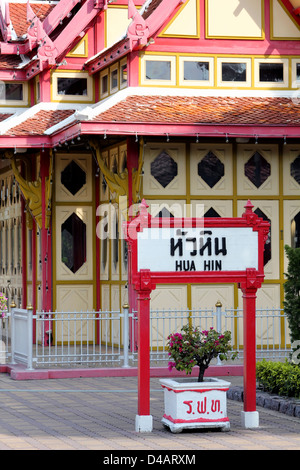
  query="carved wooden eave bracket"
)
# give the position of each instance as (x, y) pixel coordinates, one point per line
(118, 182)
(141, 29)
(32, 192)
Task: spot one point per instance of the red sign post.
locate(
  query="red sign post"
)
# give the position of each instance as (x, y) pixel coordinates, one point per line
(196, 250)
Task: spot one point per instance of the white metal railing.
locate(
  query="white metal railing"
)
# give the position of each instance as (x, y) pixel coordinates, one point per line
(5, 355)
(101, 339)
(78, 338)
(272, 333)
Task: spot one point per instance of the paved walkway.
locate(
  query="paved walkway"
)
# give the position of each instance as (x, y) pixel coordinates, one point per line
(99, 414)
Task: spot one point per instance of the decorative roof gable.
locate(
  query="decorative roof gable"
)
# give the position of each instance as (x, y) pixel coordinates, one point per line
(145, 23)
(44, 32)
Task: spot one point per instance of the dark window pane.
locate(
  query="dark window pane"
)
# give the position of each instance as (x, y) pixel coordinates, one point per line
(14, 91)
(298, 71)
(295, 231)
(257, 169)
(73, 242)
(73, 177)
(158, 70)
(164, 168)
(295, 169)
(72, 86)
(267, 252)
(104, 84)
(196, 70)
(270, 72)
(233, 72)
(114, 79)
(123, 74)
(211, 169)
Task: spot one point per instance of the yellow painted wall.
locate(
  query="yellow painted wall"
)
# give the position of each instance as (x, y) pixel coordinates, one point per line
(234, 18)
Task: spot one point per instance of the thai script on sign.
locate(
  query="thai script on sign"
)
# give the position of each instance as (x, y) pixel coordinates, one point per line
(204, 245)
(203, 406)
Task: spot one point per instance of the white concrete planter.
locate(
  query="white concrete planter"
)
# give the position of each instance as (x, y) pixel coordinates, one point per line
(192, 405)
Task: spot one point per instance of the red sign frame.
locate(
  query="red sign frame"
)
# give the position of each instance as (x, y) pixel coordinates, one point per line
(143, 281)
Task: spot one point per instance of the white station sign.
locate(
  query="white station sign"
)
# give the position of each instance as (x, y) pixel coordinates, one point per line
(168, 249)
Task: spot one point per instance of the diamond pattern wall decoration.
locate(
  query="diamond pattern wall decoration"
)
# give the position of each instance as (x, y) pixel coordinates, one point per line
(73, 242)
(211, 169)
(164, 169)
(73, 177)
(257, 169)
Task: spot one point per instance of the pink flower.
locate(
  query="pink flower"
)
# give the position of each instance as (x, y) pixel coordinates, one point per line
(171, 365)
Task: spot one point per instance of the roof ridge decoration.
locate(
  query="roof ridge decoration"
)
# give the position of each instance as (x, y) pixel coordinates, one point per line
(138, 28)
(48, 51)
(5, 22)
(36, 34)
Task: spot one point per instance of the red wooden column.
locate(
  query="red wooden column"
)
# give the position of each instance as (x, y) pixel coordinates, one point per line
(143, 420)
(34, 275)
(44, 231)
(250, 417)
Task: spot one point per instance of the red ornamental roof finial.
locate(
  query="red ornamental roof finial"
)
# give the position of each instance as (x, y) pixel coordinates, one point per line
(249, 206)
(249, 215)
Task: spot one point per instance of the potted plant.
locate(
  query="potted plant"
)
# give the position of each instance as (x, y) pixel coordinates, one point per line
(191, 403)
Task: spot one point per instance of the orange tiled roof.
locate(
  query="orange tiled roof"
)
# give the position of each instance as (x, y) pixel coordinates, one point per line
(4, 116)
(8, 61)
(205, 110)
(18, 16)
(40, 122)
(173, 110)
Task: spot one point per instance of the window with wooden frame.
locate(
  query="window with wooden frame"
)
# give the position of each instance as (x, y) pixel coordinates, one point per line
(104, 83)
(158, 70)
(114, 78)
(234, 71)
(13, 93)
(271, 73)
(196, 71)
(72, 86)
